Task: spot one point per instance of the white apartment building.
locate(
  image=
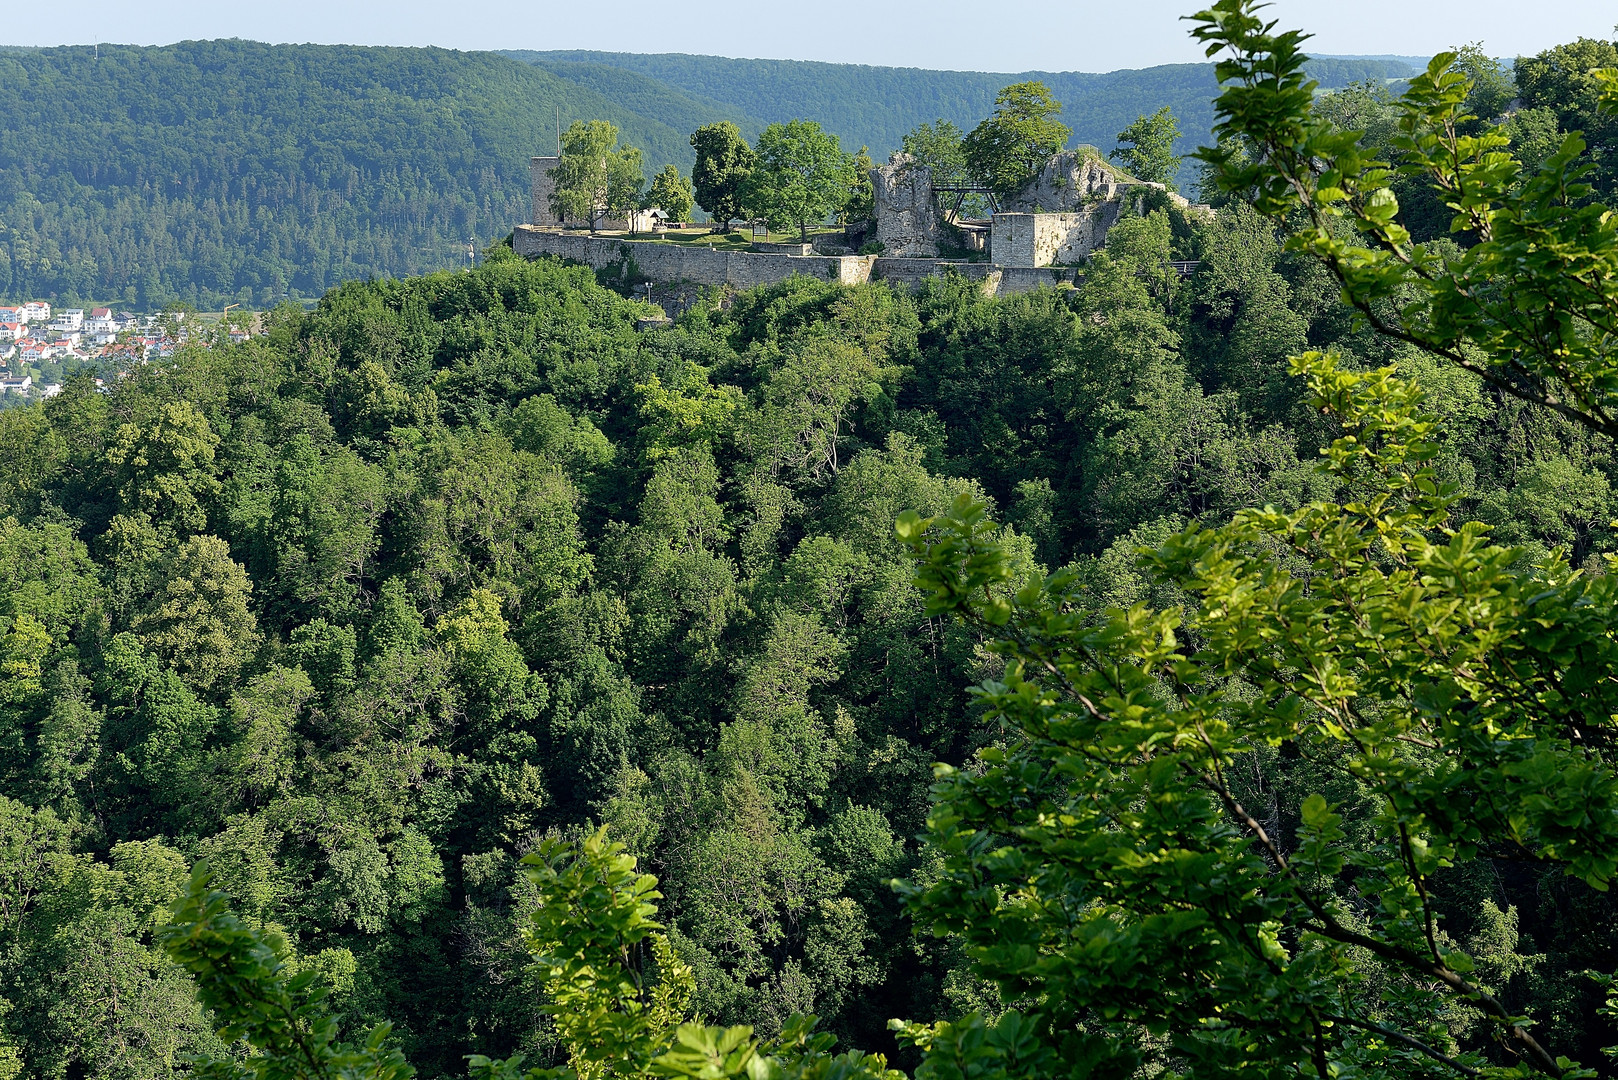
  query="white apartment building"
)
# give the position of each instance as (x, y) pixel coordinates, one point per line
(68, 319)
(37, 311)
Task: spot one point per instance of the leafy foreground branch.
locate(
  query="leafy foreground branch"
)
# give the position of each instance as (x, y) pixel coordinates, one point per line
(1107, 865)
(244, 979)
(620, 997)
(1529, 303)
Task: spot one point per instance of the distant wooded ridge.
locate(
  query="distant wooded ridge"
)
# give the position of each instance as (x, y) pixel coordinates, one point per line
(219, 172)
(876, 106)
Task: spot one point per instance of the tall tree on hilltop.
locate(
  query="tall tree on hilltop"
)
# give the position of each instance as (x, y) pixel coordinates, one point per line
(938, 147)
(1150, 154)
(861, 205)
(724, 161)
(1009, 148)
(671, 193)
(1493, 85)
(802, 176)
(595, 177)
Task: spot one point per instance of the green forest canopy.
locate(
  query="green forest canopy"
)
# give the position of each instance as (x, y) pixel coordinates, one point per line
(226, 171)
(458, 567)
(359, 611)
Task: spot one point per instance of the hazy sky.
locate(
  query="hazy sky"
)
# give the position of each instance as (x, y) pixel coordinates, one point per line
(994, 35)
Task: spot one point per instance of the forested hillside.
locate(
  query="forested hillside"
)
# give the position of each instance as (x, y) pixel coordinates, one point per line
(1170, 675)
(230, 171)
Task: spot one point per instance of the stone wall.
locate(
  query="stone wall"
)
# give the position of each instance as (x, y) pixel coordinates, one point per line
(906, 221)
(781, 249)
(543, 188)
(1019, 279)
(688, 264)
(1028, 240)
(653, 261)
(912, 272)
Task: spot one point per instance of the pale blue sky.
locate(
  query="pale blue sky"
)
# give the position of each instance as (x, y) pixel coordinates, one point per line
(989, 35)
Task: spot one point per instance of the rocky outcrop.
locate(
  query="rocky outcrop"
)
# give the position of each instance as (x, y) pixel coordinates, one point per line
(1070, 182)
(906, 221)
(1078, 180)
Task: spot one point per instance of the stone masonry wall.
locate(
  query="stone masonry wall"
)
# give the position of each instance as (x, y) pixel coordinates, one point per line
(913, 272)
(1027, 240)
(543, 188)
(1018, 279)
(688, 262)
(682, 263)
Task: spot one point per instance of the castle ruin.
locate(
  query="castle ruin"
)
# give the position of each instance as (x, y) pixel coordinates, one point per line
(1035, 237)
(1058, 218)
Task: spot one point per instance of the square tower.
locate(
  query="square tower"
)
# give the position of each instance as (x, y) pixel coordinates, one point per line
(539, 169)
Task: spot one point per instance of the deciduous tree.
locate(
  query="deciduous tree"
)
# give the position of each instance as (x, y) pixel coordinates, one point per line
(1009, 148)
(938, 146)
(595, 178)
(724, 161)
(802, 176)
(1149, 153)
(671, 192)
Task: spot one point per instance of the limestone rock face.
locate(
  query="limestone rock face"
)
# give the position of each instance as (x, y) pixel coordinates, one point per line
(906, 222)
(1072, 180)
(1075, 180)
